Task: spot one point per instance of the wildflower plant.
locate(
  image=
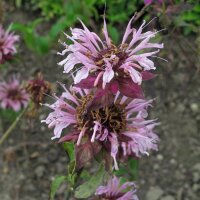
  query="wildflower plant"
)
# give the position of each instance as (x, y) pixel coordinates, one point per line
(103, 116)
(21, 98)
(14, 101)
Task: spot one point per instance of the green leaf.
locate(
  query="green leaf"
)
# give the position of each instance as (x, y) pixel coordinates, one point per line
(69, 148)
(114, 33)
(35, 23)
(88, 188)
(55, 185)
(38, 44)
(18, 3)
(42, 44)
(59, 26)
(9, 114)
(121, 172)
(90, 2)
(71, 178)
(85, 175)
(72, 167)
(121, 17)
(197, 8)
(133, 165)
(190, 16)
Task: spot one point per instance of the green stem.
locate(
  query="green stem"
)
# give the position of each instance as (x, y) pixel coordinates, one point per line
(12, 126)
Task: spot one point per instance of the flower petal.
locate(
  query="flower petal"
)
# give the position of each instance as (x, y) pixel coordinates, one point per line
(81, 74)
(107, 76)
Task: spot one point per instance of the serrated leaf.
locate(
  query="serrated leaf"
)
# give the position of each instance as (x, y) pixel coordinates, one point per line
(88, 188)
(55, 185)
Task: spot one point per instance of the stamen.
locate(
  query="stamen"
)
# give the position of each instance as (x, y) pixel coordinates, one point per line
(160, 58)
(149, 22)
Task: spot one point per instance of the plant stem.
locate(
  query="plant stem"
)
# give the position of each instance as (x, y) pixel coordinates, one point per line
(140, 13)
(12, 126)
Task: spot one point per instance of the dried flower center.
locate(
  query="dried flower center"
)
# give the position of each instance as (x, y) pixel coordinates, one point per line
(37, 88)
(112, 117)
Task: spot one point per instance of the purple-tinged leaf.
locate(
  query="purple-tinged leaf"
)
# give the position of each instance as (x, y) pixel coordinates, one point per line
(69, 137)
(130, 89)
(147, 75)
(87, 83)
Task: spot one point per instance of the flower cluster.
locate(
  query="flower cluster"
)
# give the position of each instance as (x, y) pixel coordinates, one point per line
(102, 63)
(106, 105)
(121, 127)
(7, 42)
(13, 95)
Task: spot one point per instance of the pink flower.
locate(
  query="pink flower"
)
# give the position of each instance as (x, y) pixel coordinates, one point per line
(123, 129)
(65, 114)
(12, 95)
(114, 190)
(120, 127)
(7, 41)
(107, 63)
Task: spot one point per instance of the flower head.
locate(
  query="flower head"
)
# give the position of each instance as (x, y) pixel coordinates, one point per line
(107, 63)
(38, 87)
(13, 95)
(120, 127)
(7, 41)
(114, 190)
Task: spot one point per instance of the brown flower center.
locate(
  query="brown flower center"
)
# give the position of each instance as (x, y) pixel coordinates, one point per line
(112, 117)
(81, 111)
(38, 87)
(115, 55)
(14, 94)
